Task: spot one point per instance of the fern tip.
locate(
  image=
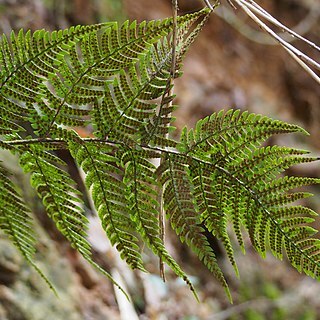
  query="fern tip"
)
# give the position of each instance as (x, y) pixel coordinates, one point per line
(236, 271)
(227, 291)
(44, 277)
(195, 294)
(243, 249)
(303, 131)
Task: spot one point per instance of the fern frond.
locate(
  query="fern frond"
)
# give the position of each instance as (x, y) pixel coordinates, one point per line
(118, 79)
(208, 199)
(285, 184)
(60, 74)
(26, 61)
(61, 200)
(129, 103)
(16, 221)
(231, 134)
(181, 211)
(157, 130)
(103, 179)
(129, 110)
(143, 206)
(239, 179)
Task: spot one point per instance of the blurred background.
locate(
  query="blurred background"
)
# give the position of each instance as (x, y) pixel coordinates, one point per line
(231, 65)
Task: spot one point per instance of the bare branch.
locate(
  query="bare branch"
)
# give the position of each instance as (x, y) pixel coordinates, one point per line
(260, 11)
(252, 10)
(261, 37)
(209, 5)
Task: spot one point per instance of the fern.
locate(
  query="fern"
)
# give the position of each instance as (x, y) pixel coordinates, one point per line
(16, 221)
(108, 194)
(117, 81)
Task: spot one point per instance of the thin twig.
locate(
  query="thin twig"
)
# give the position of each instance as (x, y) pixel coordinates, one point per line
(249, 32)
(260, 11)
(299, 56)
(248, 8)
(232, 5)
(209, 5)
(174, 39)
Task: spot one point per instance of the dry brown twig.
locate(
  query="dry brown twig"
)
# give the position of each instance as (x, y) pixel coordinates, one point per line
(302, 28)
(256, 13)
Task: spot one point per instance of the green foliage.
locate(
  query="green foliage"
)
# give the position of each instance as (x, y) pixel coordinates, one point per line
(117, 80)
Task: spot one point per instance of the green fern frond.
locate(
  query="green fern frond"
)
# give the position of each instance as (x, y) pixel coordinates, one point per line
(143, 206)
(285, 184)
(181, 211)
(26, 61)
(16, 221)
(129, 110)
(61, 200)
(241, 185)
(59, 74)
(216, 220)
(129, 102)
(231, 134)
(10, 201)
(103, 179)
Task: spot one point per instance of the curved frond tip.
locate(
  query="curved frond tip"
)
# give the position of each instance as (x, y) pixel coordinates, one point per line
(234, 178)
(16, 222)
